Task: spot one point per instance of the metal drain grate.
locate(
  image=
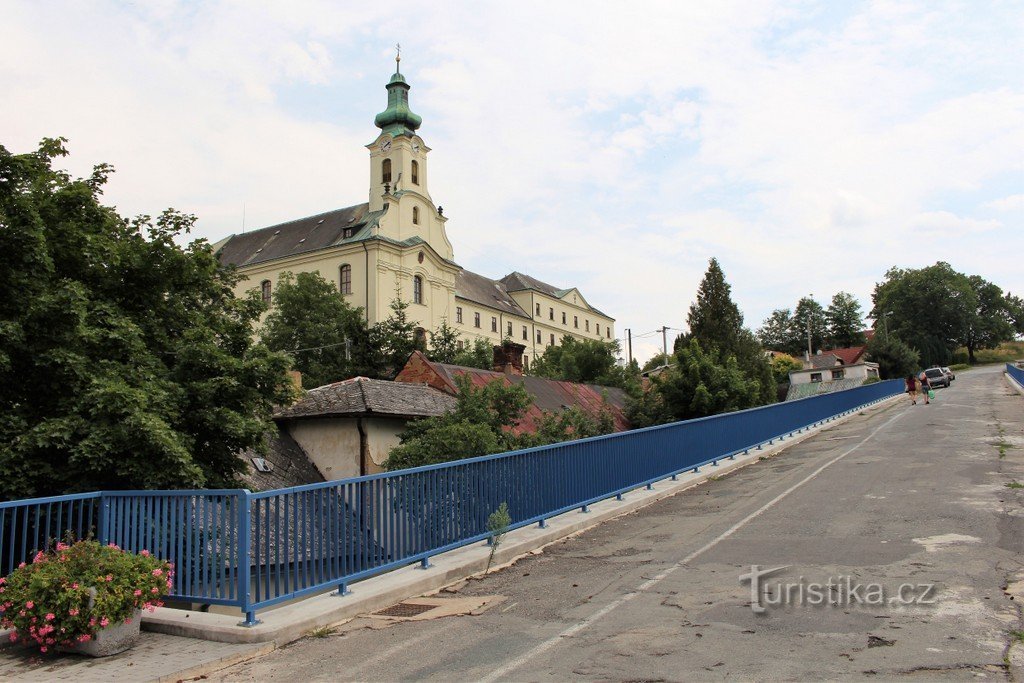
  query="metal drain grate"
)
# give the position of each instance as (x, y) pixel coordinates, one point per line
(404, 609)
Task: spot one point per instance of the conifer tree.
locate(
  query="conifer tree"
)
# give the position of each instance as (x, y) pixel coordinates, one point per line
(714, 319)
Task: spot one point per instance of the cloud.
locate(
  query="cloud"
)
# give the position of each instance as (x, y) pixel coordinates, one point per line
(809, 147)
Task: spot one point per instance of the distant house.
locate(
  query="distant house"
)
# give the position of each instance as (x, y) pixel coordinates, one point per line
(829, 371)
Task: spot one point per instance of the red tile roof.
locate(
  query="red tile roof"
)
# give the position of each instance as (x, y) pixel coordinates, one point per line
(849, 356)
(548, 395)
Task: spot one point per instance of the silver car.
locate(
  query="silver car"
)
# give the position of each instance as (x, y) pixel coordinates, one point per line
(936, 377)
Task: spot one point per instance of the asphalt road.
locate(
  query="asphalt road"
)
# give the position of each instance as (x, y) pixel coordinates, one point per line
(906, 496)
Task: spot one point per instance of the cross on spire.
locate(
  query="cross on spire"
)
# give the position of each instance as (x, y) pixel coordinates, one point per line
(398, 54)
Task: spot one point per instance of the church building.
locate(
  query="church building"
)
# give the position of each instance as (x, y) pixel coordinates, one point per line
(395, 245)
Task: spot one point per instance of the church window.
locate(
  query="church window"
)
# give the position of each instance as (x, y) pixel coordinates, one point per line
(476, 320)
(458, 314)
(345, 280)
(539, 337)
(415, 173)
(576, 321)
(552, 340)
(265, 291)
(415, 215)
(385, 171)
(563, 317)
(494, 324)
(551, 314)
(460, 345)
(597, 328)
(538, 309)
(586, 324)
(417, 290)
(509, 332)
(608, 332)
(526, 334)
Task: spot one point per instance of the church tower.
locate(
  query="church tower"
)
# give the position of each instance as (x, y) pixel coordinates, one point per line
(399, 173)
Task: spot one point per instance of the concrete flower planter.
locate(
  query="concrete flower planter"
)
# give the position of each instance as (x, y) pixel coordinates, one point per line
(110, 640)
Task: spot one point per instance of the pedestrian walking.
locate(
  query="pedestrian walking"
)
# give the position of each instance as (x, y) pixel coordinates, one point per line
(926, 386)
(912, 389)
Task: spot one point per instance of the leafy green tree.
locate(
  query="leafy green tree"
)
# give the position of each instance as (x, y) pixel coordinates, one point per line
(783, 364)
(808, 313)
(480, 425)
(992, 321)
(778, 332)
(845, 322)
(931, 309)
(126, 361)
(311, 321)
(590, 361)
(657, 360)
(444, 343)
(702, 384)
(895, 358)
(569, 424)
(478, 354)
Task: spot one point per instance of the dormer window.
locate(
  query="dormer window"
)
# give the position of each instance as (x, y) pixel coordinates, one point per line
(385, 171)
(415, 212)
(415, 173)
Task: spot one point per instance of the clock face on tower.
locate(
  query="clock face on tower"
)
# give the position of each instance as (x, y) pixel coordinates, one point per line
(386, 145)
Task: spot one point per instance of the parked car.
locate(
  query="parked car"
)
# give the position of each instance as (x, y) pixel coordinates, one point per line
(949, 373)
(936, 377)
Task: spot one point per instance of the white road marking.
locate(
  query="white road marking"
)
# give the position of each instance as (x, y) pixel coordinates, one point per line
(593, 618)
(386, 654)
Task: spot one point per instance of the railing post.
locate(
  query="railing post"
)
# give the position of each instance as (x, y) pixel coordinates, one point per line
(103, 529)
(244, 553)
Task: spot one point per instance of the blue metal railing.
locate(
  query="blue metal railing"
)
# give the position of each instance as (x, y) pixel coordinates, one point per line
(254, 550)
(1016, 373)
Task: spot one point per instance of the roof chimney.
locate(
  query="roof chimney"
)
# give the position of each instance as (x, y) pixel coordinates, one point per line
(508, 358)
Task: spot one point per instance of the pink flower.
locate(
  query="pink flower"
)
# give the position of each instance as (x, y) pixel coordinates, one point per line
(110, 577)
(62, 546)
(50, 616)
(158, 572)
(42, 649)
(1, 589)
(21, 566)
(137, 592)
(30, 604)
(84, 638)
(13, 637)
(104, 621)
(154, 590)
(3, 580)
(75, 586)
(128, 620)
(144, 553)
(73, 612)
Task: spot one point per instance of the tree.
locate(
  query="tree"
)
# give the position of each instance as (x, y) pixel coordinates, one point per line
(777, 333)
(844, 321)
(783, 364)
(394, 339)
(992, 321)
(930, 308)
(444, 343)
(895, 358)
(809, 313)
(656, 361)
(125, 359)
(312, 322)
(703, 384)
(714, 320)
(480, 425)
(590, 361)
(479, 354)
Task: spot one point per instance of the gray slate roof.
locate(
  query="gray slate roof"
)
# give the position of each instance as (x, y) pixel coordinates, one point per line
(289, 464)
(824, 360)
(488, 292)
(363, 397)
(516, 281)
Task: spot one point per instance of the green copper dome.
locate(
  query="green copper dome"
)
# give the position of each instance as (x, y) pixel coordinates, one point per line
(398, 119)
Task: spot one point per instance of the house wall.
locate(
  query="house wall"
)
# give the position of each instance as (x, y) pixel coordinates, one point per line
(859, 371)
(332, 443)
(382, 436)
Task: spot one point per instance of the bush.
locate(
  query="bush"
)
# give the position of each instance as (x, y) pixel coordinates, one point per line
(69, 593)
(957, 367)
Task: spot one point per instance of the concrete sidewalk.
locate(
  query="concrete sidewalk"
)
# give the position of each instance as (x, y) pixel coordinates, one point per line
(178, 644)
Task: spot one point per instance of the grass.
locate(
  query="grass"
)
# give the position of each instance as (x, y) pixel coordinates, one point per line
(960, 367)
(1017, 636)
(1005, 352)
(1014, 485)
(323, 632)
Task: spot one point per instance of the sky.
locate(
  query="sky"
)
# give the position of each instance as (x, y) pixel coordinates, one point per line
(615, 147)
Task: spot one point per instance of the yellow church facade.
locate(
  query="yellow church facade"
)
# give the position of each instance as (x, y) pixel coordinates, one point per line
(396, 245)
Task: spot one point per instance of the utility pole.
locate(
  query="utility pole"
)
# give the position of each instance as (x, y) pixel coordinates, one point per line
(664, 343)
(629, 344)
(810, 350)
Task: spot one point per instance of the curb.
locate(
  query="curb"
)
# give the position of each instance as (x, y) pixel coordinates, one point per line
(291, 621)
(201, 670)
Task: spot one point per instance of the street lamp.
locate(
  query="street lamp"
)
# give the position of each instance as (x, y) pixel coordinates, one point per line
(885, 322)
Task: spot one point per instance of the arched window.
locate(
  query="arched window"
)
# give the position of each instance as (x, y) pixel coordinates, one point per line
(417, 289)
(265, 290)
(385, 172)
(345, 281)
(415, 173)
(415, 214)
